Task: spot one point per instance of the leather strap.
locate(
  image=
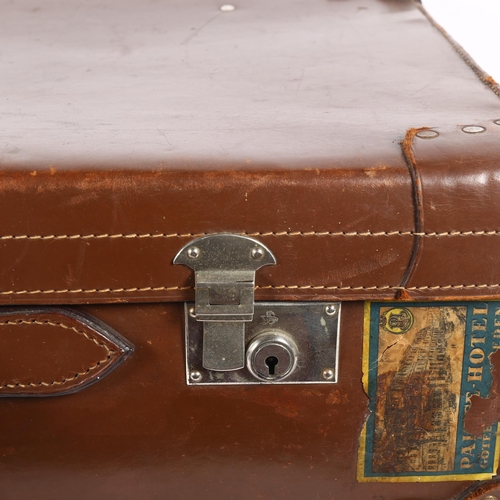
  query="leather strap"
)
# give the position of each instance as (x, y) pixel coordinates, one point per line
(49, 351)
(458, 179)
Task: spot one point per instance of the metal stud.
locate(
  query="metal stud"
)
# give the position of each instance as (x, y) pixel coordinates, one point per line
(490, 497)
(257, 253)
(427, 134)
(328, 374)
(473, 129)
(227, 8)
(195, 376)
(193, 252)
(192, 312)
(497, 122)
(330, 309)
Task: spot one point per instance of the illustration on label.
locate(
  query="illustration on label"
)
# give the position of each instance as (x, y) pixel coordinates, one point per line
(422, 364)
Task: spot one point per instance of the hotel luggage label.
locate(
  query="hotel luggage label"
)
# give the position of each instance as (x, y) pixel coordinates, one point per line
(422, 363)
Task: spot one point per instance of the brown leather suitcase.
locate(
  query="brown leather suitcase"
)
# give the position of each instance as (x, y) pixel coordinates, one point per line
(247, 252)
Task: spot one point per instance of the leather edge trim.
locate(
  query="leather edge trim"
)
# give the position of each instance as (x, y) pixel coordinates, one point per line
(479, 489)
(418, 204)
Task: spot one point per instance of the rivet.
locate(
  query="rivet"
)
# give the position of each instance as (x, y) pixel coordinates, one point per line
(227, 8)
(473, 129)
(193, 252)
(328, 374)
(191, 312)
(195, 376)
(497, 122)
(257, 253)
(490, 497)
(427, 134)
(330, 309)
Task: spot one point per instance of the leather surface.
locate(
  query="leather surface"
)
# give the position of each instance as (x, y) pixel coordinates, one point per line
(126, 83)
(131, 127)
(459, 211)
(47, 351)
(160, 121)
(141, 432)
(82, 265)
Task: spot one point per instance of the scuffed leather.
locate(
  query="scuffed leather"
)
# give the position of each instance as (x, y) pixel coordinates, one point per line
(194, 121)
(130, 127)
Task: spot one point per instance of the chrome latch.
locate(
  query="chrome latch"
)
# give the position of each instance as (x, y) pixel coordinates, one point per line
(224, 271)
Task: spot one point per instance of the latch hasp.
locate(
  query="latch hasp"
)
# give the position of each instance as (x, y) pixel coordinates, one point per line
(224, 270)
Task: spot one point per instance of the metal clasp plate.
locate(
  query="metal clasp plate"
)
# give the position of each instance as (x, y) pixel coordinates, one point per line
(286, 343)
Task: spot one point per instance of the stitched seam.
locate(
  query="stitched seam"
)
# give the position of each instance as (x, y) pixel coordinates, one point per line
(383, 287)
(102, 290)
(65, 380)
(269, 233)
(264, 287)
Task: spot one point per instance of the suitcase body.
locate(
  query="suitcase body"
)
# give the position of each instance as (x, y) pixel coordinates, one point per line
(188, 192)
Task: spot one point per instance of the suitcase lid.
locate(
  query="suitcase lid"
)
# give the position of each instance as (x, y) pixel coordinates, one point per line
(300, 125)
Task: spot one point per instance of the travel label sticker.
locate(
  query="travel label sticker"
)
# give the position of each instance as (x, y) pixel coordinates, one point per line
(422, 363)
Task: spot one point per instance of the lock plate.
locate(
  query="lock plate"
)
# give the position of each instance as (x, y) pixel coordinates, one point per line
(312, 328)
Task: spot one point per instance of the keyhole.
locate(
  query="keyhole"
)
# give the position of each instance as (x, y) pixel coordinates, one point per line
(271, 363)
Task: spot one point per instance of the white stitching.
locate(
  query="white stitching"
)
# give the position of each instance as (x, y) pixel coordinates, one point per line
(265, 287)
(384, 287)
(96, 290)
(269, 233)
